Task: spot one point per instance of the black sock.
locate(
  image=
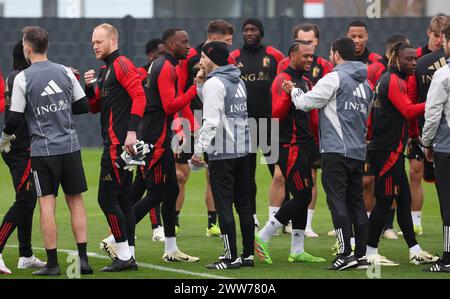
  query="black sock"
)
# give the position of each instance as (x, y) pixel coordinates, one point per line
(212, 218)
(177, 221)
(82, 251)
(52, 258)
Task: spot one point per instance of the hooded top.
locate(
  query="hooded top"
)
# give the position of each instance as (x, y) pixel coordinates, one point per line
(343, 97)
(225, 132)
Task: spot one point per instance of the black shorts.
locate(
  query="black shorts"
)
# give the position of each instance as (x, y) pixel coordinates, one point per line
(49, 172)
(315, 156)
(390, 174)
(295, 163)
(428, 172)
(186, 154)
(161, 172)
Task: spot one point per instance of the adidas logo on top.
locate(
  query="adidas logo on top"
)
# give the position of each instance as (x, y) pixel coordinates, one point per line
(360, 92)
(240, 93)
(51, 88)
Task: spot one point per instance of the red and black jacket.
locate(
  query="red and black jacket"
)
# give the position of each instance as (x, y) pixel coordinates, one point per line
(258, 68)
(296, 126)
(120, 99)
(164, 103)
(422, 51)
(391, 111)
(22, 141)
(319, 68)
(377, 69)
(368, 57)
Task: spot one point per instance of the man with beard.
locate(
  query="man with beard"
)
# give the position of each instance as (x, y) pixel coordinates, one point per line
(258, 64)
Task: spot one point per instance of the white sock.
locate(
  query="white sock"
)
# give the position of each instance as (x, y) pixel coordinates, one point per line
(111, 239)
(272, 212)
(132, 252)
(415, 249)
(417, 218)
(170, 245)
(368, 214)
(298, 241)
(352, 242)
(123, 251)
(256, 220)
(309, 219)
(269, 229)
(371, 250)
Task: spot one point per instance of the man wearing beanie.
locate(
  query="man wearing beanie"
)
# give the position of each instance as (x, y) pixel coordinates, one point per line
(224, 136)
(258, 64)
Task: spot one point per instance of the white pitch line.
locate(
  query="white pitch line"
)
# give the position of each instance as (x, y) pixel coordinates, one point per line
(143, 265)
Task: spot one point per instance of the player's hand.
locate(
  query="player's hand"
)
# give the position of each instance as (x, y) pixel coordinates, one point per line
(130, 142)
(5, 142)
(429, 154)
(197, 160)
(89, 76)
(201, 77)
(288, 86)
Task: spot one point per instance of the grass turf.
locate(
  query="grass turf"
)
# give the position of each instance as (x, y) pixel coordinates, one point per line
(192, 238)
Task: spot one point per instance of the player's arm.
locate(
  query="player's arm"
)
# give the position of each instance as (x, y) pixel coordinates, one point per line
(398, 95)
(130, 80)
(93, 94)
(281, 102)
(167, 89)
(319, 96)
(214, 99)
(437, 97)
(80, 103)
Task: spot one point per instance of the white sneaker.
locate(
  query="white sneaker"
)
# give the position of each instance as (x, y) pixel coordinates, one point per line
(158, 234)
(311, 234)
(376, 259)
(31, 262)
(390, 234)
(110, 248)
(179, 257)
(422, 257)
(288, 228)
(332, 233)
(3, 268)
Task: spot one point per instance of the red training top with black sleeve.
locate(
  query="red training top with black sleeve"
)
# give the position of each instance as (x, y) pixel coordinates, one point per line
(391, 111)
(295, 125)
(319, 68)
(120, 99)
(368, 57)
(258, 66)
(377, 69)
(2, 93)
(164, 102)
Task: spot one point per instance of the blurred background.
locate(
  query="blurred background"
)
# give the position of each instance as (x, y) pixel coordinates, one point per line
(70, 24)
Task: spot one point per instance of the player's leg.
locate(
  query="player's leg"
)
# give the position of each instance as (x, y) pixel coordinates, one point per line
(73, 182)
(183, 171)
(415, 183)
(309, 231)
(334, 180)
(442, 171)
(46, 178)
(212, 230)
(222, 179)
(242, 204)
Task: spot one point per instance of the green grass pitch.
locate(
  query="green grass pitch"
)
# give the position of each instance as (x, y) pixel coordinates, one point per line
(192, 238)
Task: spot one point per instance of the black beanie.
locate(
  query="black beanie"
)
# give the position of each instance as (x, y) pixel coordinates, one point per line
(217, 52)
(255, 22)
